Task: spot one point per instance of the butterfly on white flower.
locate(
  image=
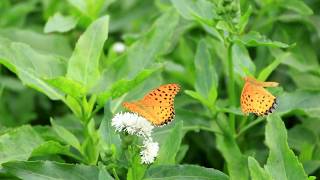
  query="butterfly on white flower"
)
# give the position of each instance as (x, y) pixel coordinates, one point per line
(134, 124)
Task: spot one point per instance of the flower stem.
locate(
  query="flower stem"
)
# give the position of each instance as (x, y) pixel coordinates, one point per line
(250, 125)
(231, 88)
(115, 174)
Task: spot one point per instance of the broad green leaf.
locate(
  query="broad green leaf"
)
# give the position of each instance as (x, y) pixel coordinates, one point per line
(11, 83)
(90, 8)
(282, 162)
(206, 76)
(84, 63)
(66, 135)
(242, 62)
(18, 144)
(256, 172)
(37, 170)
(156, 42)
(110, 140)
(265, 72)
(182, 172)
(122, 86)
(68, 86)
(103, 173)
(49, 43)
(81, 5)
(298, 6)
(31, 66)
(170, 145)
(138, 63)
(305, 101)
(198, 97)
(60, 23)
(303, 140)
(237, 163)
(51, 148)
(305, 81)
(256, 39)
(194, 10)
(311, 166)
(16, 14)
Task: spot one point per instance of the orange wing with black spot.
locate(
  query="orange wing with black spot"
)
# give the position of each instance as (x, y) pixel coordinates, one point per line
(157, 106)
(255, 99)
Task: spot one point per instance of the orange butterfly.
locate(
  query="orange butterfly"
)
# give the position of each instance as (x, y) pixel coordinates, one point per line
(255, 99)
(157, 106)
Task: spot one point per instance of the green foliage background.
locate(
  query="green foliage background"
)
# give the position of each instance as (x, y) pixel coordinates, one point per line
(62, 78)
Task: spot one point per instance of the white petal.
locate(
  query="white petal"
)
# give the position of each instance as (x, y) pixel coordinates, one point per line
(149, 152)
(132, 123)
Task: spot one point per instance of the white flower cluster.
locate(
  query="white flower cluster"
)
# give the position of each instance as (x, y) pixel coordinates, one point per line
(136, 125)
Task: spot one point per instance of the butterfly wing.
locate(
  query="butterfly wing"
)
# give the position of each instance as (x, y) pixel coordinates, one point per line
(259, 83)
(255, 99)
(157, 106)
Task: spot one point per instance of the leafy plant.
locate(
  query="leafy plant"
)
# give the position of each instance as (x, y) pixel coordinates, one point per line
(66, 68)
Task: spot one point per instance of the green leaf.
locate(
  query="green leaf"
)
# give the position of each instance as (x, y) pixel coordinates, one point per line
(68, 86)
(90, 8)
(138, 63)
(305, 80)
(254, 39)
(66, 135)
(81, 5)
(156, 42)
(256, 172)
(298, 6)
(170, 146)
(265, 72)
(198, 97)
(244, 19)
(51, 170)
(103, 173)
(302, 139)
(182, 172)
(60, 23)
(225, 26)
(90, 146)
(305, 101)
(49, 43)
(53, 147)
(194, 10)
(282, 162)
(84, 63)
(31, 66)
(122, 86)
(109, 137)
(206, 76)
(226, 144)
(242, 62)
(18, 144)
(15, 15)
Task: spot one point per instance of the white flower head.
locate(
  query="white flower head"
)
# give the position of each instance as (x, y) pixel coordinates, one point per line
(149, 152)
(119, 47)
(132, 124)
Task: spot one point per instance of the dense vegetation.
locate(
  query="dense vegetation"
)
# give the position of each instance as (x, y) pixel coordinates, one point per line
(67, 66)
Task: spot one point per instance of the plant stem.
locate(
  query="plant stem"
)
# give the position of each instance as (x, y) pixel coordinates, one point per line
(250, 125)
(231, 88)
(115, 174)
